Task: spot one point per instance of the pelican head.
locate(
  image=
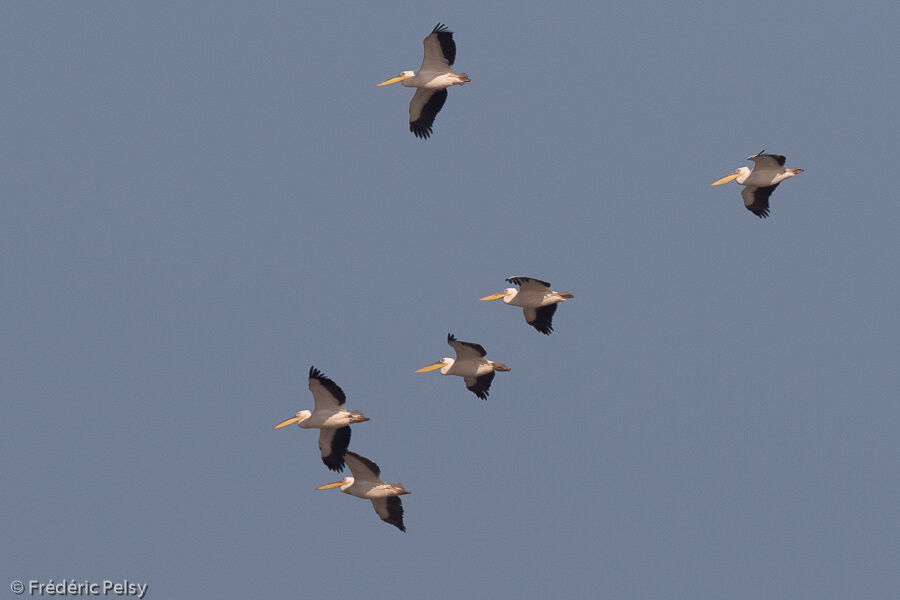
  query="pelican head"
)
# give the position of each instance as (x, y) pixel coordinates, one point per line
(298, 418)
(403, 75)
(507, 293)
(741, 174)
(344, 483)
(444, 365)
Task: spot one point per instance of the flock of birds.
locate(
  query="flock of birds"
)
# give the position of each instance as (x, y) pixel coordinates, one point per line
(538, 302)
(436, 75)
(536, 298)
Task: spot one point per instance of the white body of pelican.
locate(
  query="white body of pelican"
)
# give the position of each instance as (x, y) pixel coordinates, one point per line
(431, 80)
(537, 300)
(329, 417)
(367, 483)
(469, 364)
(767, 173)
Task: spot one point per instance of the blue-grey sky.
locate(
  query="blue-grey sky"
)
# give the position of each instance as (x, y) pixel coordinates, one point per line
(201, 200)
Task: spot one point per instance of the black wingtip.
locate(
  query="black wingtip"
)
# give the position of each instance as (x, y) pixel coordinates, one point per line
(329, 384)
(423, 133)
(395, 513)
(519, 281)
(334, 464)
(334, 460)
(542, 325)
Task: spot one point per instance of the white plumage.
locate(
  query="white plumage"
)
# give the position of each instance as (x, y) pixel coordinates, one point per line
(431, 80)
(537, 299)
(367, 483)
(328, 416)
(470, 364)
(767, 173)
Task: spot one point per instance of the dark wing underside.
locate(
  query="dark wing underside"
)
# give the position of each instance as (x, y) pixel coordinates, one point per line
(390, 510)
(445, 39)
(520, 281)
(466, 349)
(326, 392)
(768, 160)
(480, 386)
(333, 444)
(757, 199)
(362, 468)
(541, 318)
(423, 108)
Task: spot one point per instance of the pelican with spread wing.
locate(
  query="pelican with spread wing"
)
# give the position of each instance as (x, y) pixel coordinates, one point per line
(329, 417)
(768, 172)
(367, 483)
(470, 364)
(431, 80)
(537, 300)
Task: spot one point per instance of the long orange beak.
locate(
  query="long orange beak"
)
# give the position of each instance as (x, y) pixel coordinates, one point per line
(393, 80)
(287, 422)
(725, 179)
(331, 486)
(431, 367)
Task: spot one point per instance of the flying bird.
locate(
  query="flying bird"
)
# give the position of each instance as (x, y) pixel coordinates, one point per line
(329, 417)
(759, 183)
(537, 300)
(367, 483)
(469, 364)
(431, 80)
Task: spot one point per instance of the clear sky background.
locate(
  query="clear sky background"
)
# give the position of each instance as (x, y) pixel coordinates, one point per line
(201, 200)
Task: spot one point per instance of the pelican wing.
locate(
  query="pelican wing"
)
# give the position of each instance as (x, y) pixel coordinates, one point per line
(466, 350)
(333, 444)
(327, 394)
(390, 510)
(363, 469)
(541, 318)
(440, 51)
(423, 108)
(528, 284)
(769, 161)
(756, 199)
(480, 386)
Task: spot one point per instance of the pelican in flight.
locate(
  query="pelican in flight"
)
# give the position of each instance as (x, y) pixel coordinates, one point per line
(330, 417)
(759, 183)
(537, 300)
(367, 483)
(431, 80)
(470, 364)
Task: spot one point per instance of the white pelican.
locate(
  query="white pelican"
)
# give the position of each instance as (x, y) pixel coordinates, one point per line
(367, 483)
(329, 417)
(759, 183)
(537, 300)
(470, 364)
(431, 80)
